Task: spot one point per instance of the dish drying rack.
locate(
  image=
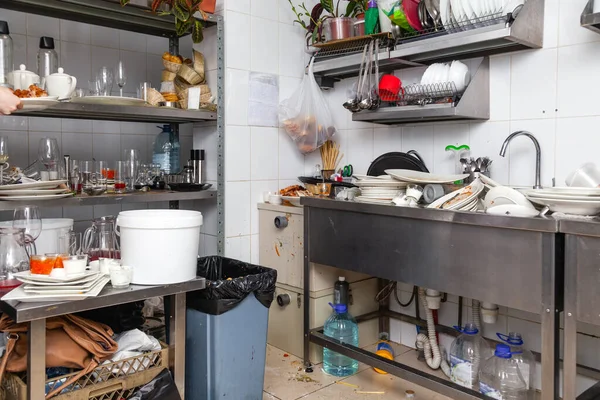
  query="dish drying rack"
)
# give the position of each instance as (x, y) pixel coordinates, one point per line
(422, 95)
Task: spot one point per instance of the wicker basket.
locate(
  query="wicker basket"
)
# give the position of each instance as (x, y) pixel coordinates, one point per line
(189, 75)
(171, 66)
(168, 76)
(118, 380)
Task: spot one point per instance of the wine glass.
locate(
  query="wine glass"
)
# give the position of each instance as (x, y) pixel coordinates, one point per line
(105, 81)
(3, 157)
(121, 77)
(49, 155)
(28, 218)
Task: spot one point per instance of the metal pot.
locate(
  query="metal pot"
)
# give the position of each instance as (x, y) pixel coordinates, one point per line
(338, 28)
(359, 27)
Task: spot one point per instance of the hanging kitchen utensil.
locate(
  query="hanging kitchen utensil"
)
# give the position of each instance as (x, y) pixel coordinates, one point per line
(352, 102)
(376, 100)
(366, 102)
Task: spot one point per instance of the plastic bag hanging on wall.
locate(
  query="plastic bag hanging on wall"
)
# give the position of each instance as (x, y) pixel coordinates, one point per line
(306, 116)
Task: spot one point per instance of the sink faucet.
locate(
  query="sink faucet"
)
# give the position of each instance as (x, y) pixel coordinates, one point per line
(538, 153)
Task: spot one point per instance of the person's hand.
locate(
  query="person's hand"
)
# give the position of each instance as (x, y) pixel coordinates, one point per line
(9, 103)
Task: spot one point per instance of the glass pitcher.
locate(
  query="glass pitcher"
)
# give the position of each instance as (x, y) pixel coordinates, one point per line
(100, 240)
(14, 250)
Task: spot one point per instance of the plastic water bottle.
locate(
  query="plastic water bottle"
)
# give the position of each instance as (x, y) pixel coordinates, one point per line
(523, 357)
(166, 150)
(467, 353)
(501, 377)
(343, 327)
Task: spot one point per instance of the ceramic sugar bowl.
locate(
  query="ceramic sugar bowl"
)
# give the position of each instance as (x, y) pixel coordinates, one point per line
(21, 79)
(60, 84)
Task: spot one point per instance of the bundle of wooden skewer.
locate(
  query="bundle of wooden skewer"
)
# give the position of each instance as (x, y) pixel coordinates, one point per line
(330, 155)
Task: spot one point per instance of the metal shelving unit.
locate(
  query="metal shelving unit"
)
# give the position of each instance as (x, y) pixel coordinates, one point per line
(123, 113)
(590, 20)
(127, 198)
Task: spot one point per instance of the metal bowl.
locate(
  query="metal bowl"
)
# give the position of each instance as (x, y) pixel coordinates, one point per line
(171, 104)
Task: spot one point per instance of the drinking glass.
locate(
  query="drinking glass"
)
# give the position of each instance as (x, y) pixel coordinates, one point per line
(70, 243)
(105, 81)
(143, 90)
(122, 176)
(103, 171)
(121, 77)
(49, 155)
(76, 176)
(28, 218)
(3, 157)
(93, 88)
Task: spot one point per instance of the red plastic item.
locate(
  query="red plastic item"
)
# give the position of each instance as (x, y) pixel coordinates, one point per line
(411, 10)
(390, 87)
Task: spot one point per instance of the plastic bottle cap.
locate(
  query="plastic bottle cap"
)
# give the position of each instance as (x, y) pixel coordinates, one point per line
(46, 42)
(502, 351)
(470, 329)
(342, 279)
(339, 308)
(4, 28)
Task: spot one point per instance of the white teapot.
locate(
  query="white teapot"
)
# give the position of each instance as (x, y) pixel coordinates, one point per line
(60, 84)
(22, 79)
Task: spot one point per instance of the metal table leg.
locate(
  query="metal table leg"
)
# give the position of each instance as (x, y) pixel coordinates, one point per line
(177, 340)
(552, 266)
(307, 364)
(570, 315)
(36, 360)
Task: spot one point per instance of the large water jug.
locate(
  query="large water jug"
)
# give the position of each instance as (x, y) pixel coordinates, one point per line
(467, 353)
(522, 356)
(166, 150)
(501, 377)
(343, 327)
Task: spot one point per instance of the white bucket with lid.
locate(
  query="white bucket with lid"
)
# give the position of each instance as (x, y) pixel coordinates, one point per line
(52, 229)
(160, 245)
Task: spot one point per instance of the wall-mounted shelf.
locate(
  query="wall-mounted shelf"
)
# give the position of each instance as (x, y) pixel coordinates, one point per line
(590, 20)
(526, 31)
(474, 104)
(106, 199)
(104, 13)
(123, 113)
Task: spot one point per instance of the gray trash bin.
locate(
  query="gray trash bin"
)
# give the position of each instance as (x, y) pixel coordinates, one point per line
(225, 353)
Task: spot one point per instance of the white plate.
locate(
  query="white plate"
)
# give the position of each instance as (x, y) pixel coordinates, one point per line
(294, 200)
(36, 197)
(360, 199)
(459, 198)
(34, 185)
(387, 194)
(577, 207)
(38, 103)
(381, 184)
(564, 191)
(444, 12)
(80, 281)
(48, 279)
(19, 294)
(369, 177)
(503, 195)
(27, 192)
(407, 175)
(513, 210)
(488, 181)
(64, 290)
(110, 100)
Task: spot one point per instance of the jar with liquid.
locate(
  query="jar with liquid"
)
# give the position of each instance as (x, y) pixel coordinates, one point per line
(6, 54)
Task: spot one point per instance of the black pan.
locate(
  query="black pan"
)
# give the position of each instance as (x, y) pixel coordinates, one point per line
(397, 160)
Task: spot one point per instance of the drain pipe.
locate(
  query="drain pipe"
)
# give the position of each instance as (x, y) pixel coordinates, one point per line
(428, 343)
(477, 314)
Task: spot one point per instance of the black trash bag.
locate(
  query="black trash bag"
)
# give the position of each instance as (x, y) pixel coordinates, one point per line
(223, 294)
(160, 388)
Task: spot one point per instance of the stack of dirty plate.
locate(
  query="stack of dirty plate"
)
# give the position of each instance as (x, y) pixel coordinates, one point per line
(463, 199)
(37, 190)
(43, 288)
(378, 189)
(567, 200)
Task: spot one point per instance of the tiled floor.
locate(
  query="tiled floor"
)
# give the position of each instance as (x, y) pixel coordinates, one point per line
(285, 379)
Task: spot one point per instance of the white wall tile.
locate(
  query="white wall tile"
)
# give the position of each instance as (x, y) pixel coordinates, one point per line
(264, 163)
(238, 40)
(14, 123)
(533, 84)
(139, 142)
(207, 47)
(242, 6)
(575, 136)
(135, 69)
(19, 50)
(237, 206)
(153, 72)
(254, 249)
(17, 21)
(486, 141)
(291, 161)
(386, 139)
(570, 30)
(444, 135)
(551, 23)
(291, 50)
(257, 188)
(237, 97)
(107, 127)
(79, 146)
(334, 97)
(157, 44)
(359, 149)
(76, 60)
(132, 41)
(419, 138)
(34, 141)
(107, 147)
(264, 9)
(288, 85)
(39, 25)
(210, 245)
(264, 45)
(18, 146)
(237, 147)
(522, 152)
(73, 31)
(238, 248)
(104, 57)
(500, 76)
(576, 81)
(45, 124)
